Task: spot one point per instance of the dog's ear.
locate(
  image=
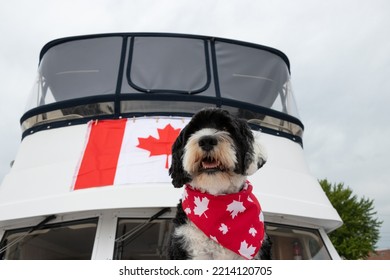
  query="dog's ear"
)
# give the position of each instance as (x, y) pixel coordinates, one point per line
(255, 155)
(176, 171)
(259, 156)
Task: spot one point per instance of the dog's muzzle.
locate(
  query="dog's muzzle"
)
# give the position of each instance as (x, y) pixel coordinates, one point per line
(209, 163)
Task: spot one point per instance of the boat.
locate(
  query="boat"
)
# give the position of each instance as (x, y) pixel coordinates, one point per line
(55, 204)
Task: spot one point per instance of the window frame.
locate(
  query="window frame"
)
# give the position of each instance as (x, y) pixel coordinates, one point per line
(57, 224)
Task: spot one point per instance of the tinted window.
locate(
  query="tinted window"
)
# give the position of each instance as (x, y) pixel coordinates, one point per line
(254, 76)
(293, 243)
(77, 69)
(168, 64)
(64, 241)
(137, 239)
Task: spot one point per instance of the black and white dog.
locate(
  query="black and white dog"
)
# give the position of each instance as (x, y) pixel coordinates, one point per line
(218, 216)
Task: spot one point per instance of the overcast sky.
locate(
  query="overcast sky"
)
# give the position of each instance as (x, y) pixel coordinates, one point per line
(340, 62)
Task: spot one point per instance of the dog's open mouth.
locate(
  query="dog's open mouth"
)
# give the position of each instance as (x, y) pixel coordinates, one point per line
(210, 165)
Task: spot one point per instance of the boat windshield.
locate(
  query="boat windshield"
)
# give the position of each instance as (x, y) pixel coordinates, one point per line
(62, 241)
(289, 243)
(126, 75)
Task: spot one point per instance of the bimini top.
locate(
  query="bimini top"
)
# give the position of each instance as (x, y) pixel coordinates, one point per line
(132, 74)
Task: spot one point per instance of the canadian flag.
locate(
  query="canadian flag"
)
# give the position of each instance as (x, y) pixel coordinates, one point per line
(127, 151)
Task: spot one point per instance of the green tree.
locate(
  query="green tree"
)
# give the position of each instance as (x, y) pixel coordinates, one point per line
(360, 231)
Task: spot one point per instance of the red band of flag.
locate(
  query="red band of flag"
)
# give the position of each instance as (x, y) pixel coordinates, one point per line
(98, 165)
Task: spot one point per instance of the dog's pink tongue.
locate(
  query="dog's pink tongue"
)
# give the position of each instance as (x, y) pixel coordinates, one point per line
(209, 164)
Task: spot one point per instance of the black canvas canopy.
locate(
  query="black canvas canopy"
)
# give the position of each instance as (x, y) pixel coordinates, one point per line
(134, 74)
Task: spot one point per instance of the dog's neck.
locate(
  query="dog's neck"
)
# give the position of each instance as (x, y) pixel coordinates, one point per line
(217, 187)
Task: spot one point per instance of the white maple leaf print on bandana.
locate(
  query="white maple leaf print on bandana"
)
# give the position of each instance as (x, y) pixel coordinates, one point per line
(223, 228)
(235, 207)
(201, 206)
(252, 231)
(247, 250)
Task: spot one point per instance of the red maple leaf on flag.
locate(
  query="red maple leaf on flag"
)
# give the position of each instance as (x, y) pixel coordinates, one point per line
(162, 145)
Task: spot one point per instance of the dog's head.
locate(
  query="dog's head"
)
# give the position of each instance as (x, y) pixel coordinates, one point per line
(215, 152)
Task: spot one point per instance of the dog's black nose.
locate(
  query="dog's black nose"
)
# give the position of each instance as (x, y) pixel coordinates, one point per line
(207, 143)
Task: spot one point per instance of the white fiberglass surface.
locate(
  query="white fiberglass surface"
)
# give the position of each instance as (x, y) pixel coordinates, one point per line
(41, 179)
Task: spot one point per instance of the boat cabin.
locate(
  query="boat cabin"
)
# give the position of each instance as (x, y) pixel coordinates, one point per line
(78, 190)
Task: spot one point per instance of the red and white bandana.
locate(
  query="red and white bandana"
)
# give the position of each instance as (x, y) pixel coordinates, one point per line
(235, 220)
